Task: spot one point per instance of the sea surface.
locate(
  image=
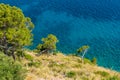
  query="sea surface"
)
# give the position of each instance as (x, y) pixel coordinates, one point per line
(77, 22)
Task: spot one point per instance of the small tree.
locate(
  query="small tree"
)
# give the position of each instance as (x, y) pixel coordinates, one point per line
(15, 29)
(49, 44)
(83, 50)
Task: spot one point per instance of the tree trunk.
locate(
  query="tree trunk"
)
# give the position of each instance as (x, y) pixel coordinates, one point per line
(45, 51)
(4, 43)
(84, 55)
(13, 55)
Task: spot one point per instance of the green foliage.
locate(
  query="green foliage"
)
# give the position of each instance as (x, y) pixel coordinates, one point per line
(87, 61)
(52, 64)
(38, 48)
(49, 44)
(34, 63)
(55, 52)
(94, 60)
(28, 57)
(10, 70)
(85, 78)
(55, 64)
(102, 73)
(114, 78)
(77, 66)
(83, 48)
(50, 41)
(15, 29)
(71, 74)
(20, 53)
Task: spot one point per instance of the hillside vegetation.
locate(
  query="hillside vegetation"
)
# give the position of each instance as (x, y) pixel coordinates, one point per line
(62, 67)
(44, 62)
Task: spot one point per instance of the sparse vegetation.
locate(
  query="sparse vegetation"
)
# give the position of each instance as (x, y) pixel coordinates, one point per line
(94, 60)
(71, 74)
(114, 78)
(15, 33)
(102, 73)
(68, 68)
(34, 63)
(87, 61)
(28, 57)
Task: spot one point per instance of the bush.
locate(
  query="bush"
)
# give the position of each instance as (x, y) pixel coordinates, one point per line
(54, 53)
(85, 78)
(53, 64)
(102, 73)
(114, 78)
(71, 74)
(94, 60)
(48, 44)
(77, 66)
(87, 61)
(10, 70)
(28, 57)
(34, 63)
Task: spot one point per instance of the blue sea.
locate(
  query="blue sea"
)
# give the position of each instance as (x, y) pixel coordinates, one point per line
(77, 22)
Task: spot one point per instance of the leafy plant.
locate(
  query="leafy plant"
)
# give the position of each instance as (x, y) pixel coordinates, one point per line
(10, 70)
(28, 57)
(114, 78)
(71, 74)
(94, 60)
(102, 73)
(87, 61)
(34, 63)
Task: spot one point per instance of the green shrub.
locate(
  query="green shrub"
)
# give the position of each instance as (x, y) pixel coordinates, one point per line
(28, 57)
(102, 73)
(94, 60)
(34, 63)
(85, 78)
(77, 66)
(10, 70)
(48, 44)
(54, 53)
(71, 74)
(52, 64)
(36, 51)
(87, 61)
(114, 78)
(20, 53)
(55, 64)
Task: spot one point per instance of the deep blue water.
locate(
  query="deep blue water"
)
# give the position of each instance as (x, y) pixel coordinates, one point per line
(76, 23)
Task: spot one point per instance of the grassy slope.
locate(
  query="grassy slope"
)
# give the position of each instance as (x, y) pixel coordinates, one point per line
(61, 67)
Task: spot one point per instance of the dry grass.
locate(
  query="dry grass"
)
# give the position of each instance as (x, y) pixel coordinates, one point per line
(61, 67)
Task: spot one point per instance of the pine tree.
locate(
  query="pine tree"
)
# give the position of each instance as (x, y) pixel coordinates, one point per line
(83, 50)
(49, 44)
(15, 29)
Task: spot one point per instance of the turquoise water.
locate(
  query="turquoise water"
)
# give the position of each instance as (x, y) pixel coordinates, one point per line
(78, 22)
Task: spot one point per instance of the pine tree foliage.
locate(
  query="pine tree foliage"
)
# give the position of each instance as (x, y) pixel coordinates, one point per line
(15, 29)
(48, 44)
